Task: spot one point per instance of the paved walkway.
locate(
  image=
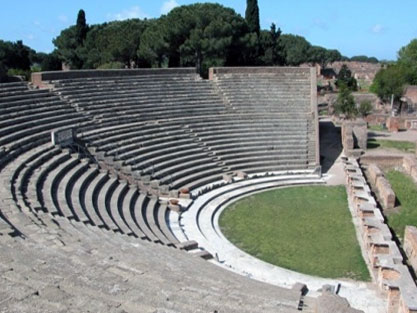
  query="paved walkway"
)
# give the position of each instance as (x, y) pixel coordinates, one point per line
(200, 223)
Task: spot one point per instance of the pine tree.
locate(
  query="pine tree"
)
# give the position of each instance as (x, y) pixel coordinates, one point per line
(81, 28)
(252, 16)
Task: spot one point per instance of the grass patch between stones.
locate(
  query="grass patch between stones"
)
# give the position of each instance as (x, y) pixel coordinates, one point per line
(406, 146)
(406, 192)
(307, 229)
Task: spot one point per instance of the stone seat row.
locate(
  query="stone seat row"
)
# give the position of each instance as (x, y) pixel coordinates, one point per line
(57, 259)
(163, 109)
(22, 95)
(148, 92)
(31, 108)
(230, 121)
(32, 99)
(130, 79)
(62, 185)
(128, 87)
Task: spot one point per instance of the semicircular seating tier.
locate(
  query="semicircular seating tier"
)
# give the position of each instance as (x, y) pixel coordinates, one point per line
(145, 137)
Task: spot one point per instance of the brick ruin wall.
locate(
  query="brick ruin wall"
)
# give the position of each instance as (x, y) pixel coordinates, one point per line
(39, 78)
(354, 137)
(388, 266)
(382, 187)
(410, 245)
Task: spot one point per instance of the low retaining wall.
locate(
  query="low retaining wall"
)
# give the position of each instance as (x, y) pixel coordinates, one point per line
(384, 162)
(382, 186)
(392, 276)
(258, 70)
(354, 137)
(39, 78)
(410, 246)
(410, 166)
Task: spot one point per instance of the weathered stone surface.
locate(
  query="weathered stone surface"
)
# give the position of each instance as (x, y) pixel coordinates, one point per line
(393, 124)
(374, 172)
(409, 163)
(354, 137)
(330, 303)
(386, 193)
(410, 245)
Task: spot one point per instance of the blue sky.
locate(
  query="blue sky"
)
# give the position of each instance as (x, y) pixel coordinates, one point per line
(354, 27)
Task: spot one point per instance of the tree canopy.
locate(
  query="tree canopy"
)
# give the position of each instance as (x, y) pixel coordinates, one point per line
(364, 58)
(252, 16)
(201, 35)
(393, 79)
(345, 79)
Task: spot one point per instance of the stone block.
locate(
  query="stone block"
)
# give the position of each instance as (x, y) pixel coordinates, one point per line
(386, 193)
(188, 245)
(241, 174)
(184, 196)
(300, 287)
(374, 172)
(330, 303)
(410, 245)
(414, 174)
(175, 208)
(393, 124)
(408, 163)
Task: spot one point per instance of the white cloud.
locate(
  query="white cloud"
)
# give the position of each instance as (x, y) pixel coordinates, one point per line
(30, 36)
(133, 12)
(378, 28)
(167, 6)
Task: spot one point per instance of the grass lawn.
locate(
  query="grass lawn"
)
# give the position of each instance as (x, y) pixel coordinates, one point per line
(406, 146)
(406, 192)
(305, 229)
(378, 128)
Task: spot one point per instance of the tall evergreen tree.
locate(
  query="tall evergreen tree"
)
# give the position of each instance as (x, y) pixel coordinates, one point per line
(252, 16)
(81, 28)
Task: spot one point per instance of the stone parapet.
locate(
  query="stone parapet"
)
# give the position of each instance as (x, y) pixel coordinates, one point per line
(410, 245)
(39, 78)
(354, 137)
(388, 266)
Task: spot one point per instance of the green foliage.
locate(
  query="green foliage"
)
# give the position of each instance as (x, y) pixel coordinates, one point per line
(296, 49)
(114, 42)
(252, 16)
(153, 49)
(200, 35)
(365, 108)
(81, 28)
(3, 72)
(68, 48)
(393, 79)
(270, 47)
(379, 128)
(111, 66)
(70, 43)
(51, 62)
(390, 81)
(19, 72)
(345, 103)
(406, 192)
(344, 78)
(305, 229)
(323, 56)
(205, 35)
(14, 55)
(364, 58)
(404, 146)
